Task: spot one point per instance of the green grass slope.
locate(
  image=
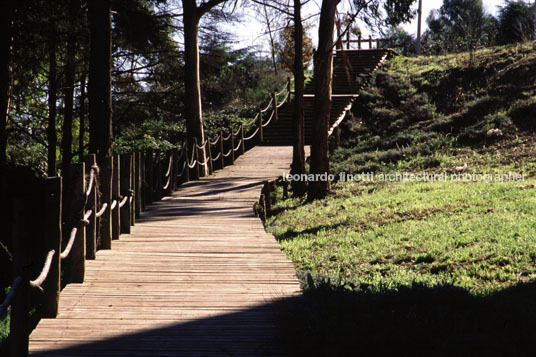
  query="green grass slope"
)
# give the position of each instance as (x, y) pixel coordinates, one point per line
(424, 268)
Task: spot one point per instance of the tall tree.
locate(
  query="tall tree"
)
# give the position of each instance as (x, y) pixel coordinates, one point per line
(323, 68)
(52, 98)
(298, 153)
(100, 83)
(6, 18)
(192, 14)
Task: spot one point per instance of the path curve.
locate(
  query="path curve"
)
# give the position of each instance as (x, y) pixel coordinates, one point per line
(197, 277)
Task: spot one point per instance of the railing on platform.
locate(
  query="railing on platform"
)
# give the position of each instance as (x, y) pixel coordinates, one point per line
(361, 43)
(99, 209)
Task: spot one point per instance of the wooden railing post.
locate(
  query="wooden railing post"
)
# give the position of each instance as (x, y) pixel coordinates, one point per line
(267, 198)
(288, 88)
(75, 263)
(196, 158)
(157, 180)
(359, 41)
(52, 237)
(274, 97)
(378, 43)
(242, 142)
(348, 39)
(168, 180)
(209, 157)
(149, 184)
(222, 159)
(105, 224)
(370, 42)
(232, 147)
(132, 198)
(116, 196)
(175, 171)
(143, 178)
(20, 307)
(186, 158)
(126, 191)
(261, 135)
(91, 228)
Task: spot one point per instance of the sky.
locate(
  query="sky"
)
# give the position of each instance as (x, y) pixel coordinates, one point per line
(250, 33)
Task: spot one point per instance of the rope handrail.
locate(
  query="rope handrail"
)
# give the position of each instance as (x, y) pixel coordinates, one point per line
(228, 153)
(252, 121)
(44, 272)
(193, 155)
(203, 163)
(91, 183)
(114, 204)
(202, 145)
(225, 138)
(9, 298)
(215, 141)
(217, 157)
(268, 106)
(88, 214)
(67, 250)
(191, 166)
(281, 91)
(123, 201)
(237, 131)
(165, 187)
(168, 172)
(269, 120)
(252, 135)
(183, 169)
(102, 210)
(283, 101)
(239, 144)
(181, 153)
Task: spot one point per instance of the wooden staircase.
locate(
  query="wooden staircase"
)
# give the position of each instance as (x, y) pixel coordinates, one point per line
(351, 70)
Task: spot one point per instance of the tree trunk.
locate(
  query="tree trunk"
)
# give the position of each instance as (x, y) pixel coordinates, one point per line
(323, 72)
(298, 154)
(6, 18)
(82, 115)
(100, 79)
(419, 22)
(67, 137)
(192, 81)
(52, 102)
(270, 34)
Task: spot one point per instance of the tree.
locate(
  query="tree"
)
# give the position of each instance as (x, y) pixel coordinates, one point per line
(323, 63)
(192, 14)
(516, 22)
(287, 45)
(298, 152)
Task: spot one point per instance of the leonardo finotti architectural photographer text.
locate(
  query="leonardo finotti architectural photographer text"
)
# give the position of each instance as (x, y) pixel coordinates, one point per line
(406, 176)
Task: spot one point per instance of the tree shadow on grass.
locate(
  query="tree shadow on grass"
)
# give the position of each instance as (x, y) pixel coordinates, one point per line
(413, 321)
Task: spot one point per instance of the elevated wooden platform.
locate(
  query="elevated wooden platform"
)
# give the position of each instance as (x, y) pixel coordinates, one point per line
(197, 277)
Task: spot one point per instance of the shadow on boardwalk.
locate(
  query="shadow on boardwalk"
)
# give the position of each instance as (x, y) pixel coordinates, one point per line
(416, 321)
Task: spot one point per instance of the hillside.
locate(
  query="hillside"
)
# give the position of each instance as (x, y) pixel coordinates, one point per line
(400, 267)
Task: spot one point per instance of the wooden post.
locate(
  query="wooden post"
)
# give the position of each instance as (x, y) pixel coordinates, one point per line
(175, 171)
(222, 159)
(167, 179)
(348, 39)
(20, 307)
(52, 237)
(370, 42)
(91, 228)
(142, 181)
(378, 44)
(209, 157)
(359, 41)
(261, 135)
(232, 147)
(267, 198)
(148, 188)
(242, 142)
(158, 176)
(132, 198)
(116, 196)
(75, 263)
(126, 191)
(106, 169)
(196, 158)
(276, 116)
(288, 88)
(274, 190)
(285, 189)
(186, 158)
(262, 204)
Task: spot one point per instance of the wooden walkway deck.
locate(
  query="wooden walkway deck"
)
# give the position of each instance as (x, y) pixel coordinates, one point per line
(196, 277)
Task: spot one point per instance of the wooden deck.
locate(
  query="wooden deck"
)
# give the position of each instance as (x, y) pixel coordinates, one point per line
(197, 277)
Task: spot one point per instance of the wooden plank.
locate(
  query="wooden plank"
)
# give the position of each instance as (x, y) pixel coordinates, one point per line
(198, 275)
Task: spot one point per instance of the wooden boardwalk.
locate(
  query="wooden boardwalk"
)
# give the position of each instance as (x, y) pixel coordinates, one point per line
(197, 277)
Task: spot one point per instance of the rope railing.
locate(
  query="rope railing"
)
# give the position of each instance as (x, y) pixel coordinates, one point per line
(183, 170)
(124, 201)
(225, 138)
(102, 210)
(44, 272)
(268, 121)
(168, 172)
(166, 186)
(284, 100)
(202, 146)
(252, 135)
(217, 157)
(70, 243)
(215, 141)
(267, 106)
(252, 121)
(191, 166)
(228, 153)
(113, 205)
(238, 146)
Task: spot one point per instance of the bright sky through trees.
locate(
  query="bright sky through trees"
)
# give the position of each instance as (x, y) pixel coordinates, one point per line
(250, 32)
